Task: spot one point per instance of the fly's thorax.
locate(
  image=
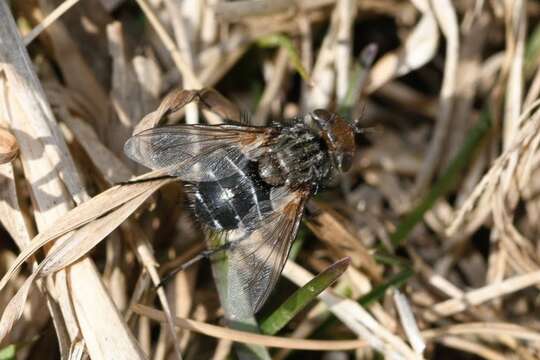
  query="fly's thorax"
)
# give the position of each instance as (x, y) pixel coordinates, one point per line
(296, 158)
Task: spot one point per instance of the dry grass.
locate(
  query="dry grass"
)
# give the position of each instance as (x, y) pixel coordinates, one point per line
(445, 188)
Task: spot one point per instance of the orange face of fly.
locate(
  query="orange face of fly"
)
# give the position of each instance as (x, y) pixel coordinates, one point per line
(338, 136)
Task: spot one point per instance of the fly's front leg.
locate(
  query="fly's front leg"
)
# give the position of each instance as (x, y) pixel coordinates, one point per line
(219, 104)
(312, 212)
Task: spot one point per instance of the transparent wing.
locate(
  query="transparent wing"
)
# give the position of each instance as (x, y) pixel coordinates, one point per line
(257, 253)
(196, 152)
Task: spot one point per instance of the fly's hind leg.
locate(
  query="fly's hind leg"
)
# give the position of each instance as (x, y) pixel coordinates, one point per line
(205, 254)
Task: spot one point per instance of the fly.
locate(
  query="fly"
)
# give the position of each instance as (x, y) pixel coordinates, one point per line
(248, 185)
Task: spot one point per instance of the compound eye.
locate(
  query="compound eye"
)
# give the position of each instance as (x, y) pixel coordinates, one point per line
(322, 116)
(345, 162)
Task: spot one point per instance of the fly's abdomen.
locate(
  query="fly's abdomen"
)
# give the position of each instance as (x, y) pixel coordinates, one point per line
(222, 204)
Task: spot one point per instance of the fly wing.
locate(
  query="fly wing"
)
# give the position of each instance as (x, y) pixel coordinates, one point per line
(258, 252)
(196, 152)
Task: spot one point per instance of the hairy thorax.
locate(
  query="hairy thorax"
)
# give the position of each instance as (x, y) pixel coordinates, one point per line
(296, 159)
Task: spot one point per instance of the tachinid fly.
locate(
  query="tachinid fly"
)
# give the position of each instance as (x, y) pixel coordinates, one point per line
(249, 184)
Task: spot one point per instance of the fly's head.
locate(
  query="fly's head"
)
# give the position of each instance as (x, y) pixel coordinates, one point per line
(338, 136)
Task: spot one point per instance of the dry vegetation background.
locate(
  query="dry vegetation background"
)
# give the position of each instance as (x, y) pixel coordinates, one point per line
(441, 203)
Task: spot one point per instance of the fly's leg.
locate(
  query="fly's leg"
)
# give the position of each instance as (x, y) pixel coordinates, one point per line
(312, 213)
(205, 254)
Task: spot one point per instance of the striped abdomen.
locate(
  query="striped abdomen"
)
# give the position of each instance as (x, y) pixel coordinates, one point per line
(224, 203)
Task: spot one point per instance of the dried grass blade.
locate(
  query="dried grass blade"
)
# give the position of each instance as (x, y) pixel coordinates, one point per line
(486, 293)
(190, 79)
(446, 16)
(445, 182)
(52, 17)
(516, 31)
(105, 334)
(68, 250)
(87, 237)
(355, 318)
(11, 215)
(472, 347)
(8, 146)
(408, 322)
(82, 214)
(26, 90)
(250, 338)
(14, 308)
(485, 329)
(477, 206)
(328, 227)
(323, 73)
(114, 170)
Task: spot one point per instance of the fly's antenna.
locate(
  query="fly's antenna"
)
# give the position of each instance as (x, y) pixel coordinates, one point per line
(375, 129)
(356, 123)
(359, 128)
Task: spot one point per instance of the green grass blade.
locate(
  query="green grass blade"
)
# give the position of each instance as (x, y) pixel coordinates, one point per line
(447, 179)
(358, 79)
(378, 292)
(302, 297)
(282, 41)
(298, 242)
(8, 353)
(532, 52)
(392, 260)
